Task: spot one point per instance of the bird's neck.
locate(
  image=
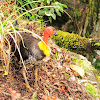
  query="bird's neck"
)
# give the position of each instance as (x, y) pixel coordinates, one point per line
(44, 47)
(45, 38)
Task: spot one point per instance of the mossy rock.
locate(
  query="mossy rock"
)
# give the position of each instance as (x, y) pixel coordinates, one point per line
(75, 42)
(70, 41)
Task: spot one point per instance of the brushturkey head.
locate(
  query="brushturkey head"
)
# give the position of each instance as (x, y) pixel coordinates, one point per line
(50, 31)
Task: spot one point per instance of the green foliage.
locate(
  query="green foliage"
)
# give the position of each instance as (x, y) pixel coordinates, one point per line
(97, 64)
(46, 8)
(98, 44)
(91, 89)
(70, 41)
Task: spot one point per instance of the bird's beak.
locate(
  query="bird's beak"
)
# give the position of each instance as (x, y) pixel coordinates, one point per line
(55, 34)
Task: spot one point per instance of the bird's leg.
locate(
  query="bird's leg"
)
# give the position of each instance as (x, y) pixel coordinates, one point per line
(37, 63)
(26, 81)
(36, 76)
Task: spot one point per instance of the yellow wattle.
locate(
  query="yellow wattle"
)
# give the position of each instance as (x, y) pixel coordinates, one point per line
(44, 48)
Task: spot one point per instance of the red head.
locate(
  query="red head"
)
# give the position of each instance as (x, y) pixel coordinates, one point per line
(49, 31)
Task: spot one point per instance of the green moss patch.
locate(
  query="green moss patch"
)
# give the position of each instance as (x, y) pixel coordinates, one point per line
(70, 41)
(91, 89)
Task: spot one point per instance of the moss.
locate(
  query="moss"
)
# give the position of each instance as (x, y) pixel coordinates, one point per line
(84, 64)
(70, 41)
(91, 89)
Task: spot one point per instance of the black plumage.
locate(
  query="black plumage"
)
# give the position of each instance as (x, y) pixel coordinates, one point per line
(29, 48)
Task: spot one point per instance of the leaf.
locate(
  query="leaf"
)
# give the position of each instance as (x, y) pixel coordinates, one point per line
(78, 69)
(64, 5)
(28, 14)
(47, 13)
(52, 10)
(59, 6)
(40, 0)
(48, 1)
(42, 12)
(50, 13)
(98, 44)
(50, 19)
(57, 11)
(33, 16)
(40, 20)
(53, 16)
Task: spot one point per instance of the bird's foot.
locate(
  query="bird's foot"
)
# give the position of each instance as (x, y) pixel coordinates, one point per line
(26, 81)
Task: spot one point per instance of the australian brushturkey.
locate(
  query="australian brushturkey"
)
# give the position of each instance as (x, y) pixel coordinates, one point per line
(33, 49)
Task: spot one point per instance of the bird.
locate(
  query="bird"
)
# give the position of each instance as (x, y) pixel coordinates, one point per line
(33, 49)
